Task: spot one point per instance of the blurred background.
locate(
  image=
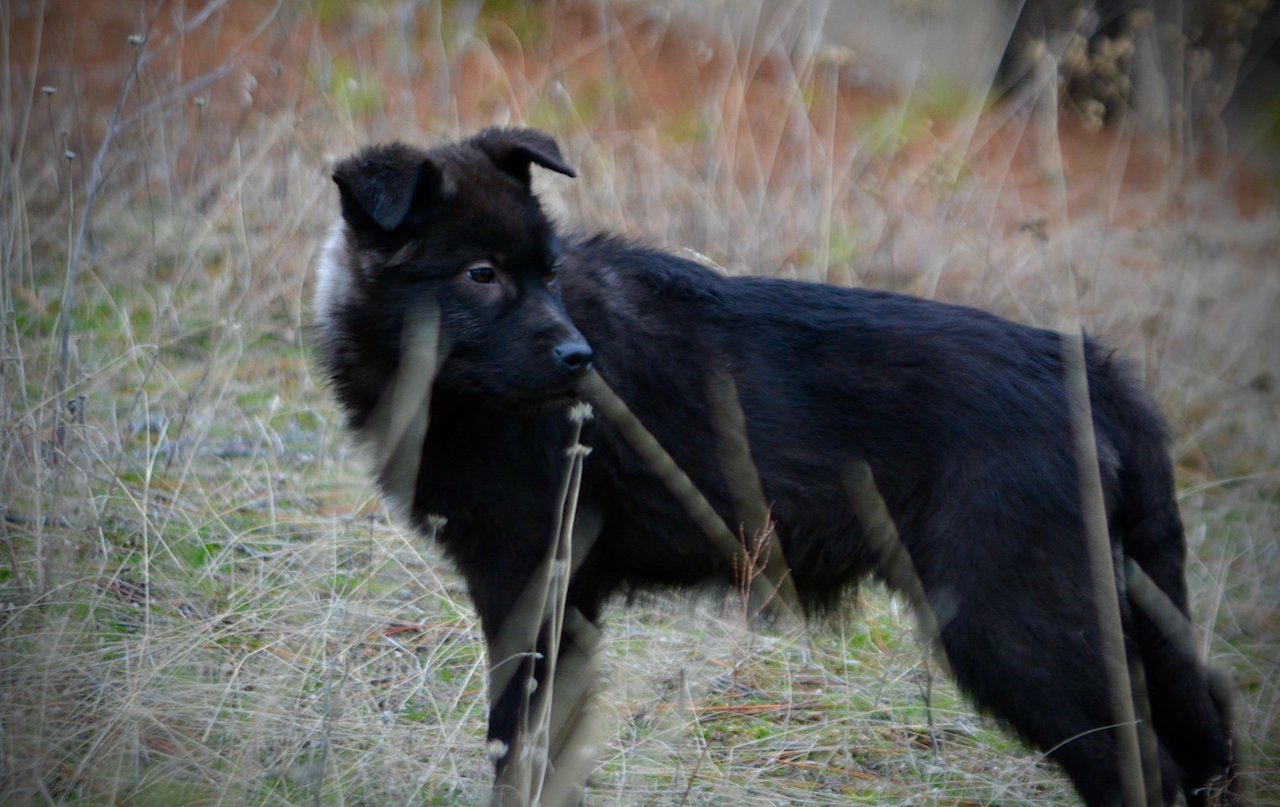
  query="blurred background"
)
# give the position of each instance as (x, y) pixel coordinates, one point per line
(203, 602)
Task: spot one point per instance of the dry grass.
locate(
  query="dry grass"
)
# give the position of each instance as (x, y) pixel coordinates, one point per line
(202, 602)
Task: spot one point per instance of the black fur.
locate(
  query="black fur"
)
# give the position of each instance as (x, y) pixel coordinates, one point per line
(961, 417)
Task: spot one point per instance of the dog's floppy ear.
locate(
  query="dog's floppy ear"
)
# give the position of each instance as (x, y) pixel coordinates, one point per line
(512, 150)
(381, 184)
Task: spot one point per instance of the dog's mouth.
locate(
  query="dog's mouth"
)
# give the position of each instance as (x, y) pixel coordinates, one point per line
(527, 400)
(557, 403)
(550, 399)
(551, 390)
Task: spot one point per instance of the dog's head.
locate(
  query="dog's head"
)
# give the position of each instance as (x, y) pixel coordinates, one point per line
(455, 231)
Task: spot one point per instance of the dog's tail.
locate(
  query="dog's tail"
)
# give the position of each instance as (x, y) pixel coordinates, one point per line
(1190, 703)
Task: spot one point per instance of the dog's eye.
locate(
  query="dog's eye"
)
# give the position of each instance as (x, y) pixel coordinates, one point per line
(481, 273)
(553, 272)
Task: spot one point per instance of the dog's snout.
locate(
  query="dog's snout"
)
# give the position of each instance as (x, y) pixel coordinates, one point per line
(574, 356)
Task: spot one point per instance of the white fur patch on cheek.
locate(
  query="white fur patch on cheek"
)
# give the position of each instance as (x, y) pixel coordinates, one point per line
(333, 276)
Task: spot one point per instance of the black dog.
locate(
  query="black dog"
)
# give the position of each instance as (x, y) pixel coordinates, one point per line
(457, 324)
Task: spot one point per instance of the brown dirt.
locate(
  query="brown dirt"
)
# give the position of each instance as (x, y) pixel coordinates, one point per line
(660, 69)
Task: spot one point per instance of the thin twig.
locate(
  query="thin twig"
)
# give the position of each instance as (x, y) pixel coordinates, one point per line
(77, 248)
(556, 586)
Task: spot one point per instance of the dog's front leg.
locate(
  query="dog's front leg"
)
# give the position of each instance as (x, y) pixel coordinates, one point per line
(542, 640)
(540, 723)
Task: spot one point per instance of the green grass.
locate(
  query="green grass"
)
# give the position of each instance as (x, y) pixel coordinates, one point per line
(203, 602)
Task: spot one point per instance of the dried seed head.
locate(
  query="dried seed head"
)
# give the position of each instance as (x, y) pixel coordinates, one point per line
(580, 412)
(1093, 113)
(496, 749)
(136, 40)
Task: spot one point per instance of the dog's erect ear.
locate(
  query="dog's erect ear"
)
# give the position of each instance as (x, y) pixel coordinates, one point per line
(512, 150)
(381, 184)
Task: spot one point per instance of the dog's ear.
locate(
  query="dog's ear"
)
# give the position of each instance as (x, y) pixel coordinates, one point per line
(512, 150)
(382, 184)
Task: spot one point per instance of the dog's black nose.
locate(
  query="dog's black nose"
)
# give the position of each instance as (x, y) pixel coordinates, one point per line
(574, 356)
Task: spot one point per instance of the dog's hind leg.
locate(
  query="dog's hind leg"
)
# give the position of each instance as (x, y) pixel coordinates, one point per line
(1026, 646)
(1190, 703)
(1012, 609)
